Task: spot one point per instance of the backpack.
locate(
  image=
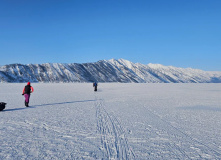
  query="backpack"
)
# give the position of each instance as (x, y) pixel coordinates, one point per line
(28, 89)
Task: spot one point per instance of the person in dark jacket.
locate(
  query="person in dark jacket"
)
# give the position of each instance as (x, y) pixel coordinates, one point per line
(28, 89)
(95, 86)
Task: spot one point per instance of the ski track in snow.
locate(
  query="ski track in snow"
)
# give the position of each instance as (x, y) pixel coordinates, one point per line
(178, 144)
(49, 142)
(119, 122)
(113, 137)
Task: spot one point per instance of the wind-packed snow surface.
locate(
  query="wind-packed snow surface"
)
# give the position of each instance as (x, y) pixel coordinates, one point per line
(120, 121)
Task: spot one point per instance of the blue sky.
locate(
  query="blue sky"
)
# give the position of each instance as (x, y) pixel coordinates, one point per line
(181, 33)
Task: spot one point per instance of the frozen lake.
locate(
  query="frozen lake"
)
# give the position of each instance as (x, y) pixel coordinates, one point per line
(120, 121)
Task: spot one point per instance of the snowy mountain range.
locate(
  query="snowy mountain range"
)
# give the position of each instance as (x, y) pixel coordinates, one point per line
(105, 71)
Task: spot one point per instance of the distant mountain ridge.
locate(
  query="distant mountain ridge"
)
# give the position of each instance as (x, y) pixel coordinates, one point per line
(112, 70)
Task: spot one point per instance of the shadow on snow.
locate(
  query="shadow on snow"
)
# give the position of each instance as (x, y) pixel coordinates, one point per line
(203, 108)
(15, 109)
(49, 104)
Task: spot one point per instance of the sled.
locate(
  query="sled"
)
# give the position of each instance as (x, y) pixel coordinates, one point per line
(2, 105)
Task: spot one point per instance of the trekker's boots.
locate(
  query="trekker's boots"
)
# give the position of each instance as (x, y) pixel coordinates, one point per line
(26, 104)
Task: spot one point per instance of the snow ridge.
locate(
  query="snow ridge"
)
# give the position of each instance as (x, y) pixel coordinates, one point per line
(112, 70)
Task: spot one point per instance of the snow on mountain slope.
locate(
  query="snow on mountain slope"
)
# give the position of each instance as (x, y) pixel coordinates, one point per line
(157, 73)
(105, 71)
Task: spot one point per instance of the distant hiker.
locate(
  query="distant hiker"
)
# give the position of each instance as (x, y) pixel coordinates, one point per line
(95, 86)
(28, 89)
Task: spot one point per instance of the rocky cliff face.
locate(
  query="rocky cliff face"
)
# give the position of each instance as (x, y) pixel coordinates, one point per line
(105, 71)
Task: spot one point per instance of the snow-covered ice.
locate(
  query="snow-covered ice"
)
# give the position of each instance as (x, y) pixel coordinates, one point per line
(120, 121)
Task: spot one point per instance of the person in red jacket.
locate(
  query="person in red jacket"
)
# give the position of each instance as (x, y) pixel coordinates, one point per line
(28, 89)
